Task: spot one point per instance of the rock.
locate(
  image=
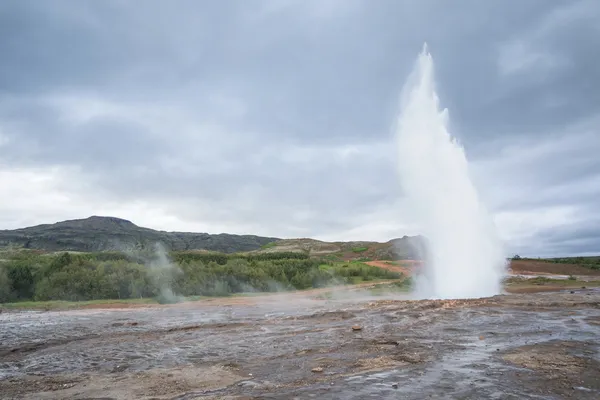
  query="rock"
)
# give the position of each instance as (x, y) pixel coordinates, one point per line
(572, 291)
(409, 358)
(317, 369)
(119, 368)
(249, 384)
(395, 385)
(357, 328)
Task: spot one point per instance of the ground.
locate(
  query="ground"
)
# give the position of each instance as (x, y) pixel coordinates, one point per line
(348, 345)
(544, 267)
(406, 267)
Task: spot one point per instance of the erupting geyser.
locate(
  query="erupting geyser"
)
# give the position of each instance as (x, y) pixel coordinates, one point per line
(464, 255)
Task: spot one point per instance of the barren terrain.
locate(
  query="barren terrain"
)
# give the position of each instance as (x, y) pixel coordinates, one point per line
(286, 346)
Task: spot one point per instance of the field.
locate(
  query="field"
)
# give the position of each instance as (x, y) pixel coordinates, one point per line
(355, 340)
(549, 267)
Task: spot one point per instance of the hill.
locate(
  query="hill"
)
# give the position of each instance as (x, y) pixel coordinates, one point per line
(405, 248)
(114, 234)
(97, 233)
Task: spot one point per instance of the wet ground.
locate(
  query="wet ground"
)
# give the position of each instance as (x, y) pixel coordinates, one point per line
(517, 346)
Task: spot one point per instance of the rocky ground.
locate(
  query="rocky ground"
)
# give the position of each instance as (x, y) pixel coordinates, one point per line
(516, 346)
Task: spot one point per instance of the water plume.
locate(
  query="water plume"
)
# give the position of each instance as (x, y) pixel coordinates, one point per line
(464, 257)
(162, 273)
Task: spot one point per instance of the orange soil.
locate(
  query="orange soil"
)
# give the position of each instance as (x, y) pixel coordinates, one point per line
(403, 268)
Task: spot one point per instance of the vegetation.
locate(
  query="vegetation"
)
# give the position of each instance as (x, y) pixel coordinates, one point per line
(27, 275)
(103, 233)
(360, 249)
(396, 286)
(548, 281)
(587, 262)
(67, 305)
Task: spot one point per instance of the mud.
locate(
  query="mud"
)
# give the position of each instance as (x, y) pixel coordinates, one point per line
(515, 346)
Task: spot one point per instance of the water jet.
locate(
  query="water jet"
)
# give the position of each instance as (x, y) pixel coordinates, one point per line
(464, 256)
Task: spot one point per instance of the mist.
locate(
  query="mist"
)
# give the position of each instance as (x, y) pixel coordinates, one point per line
(464, 256)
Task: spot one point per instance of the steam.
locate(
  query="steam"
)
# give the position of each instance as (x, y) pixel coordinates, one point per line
(464, 258)
(162, 272)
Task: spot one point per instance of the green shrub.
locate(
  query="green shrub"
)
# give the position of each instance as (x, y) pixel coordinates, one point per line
(5, 286)
(96, 276)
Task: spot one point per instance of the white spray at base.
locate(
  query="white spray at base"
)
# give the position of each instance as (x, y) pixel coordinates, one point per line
(464, 255)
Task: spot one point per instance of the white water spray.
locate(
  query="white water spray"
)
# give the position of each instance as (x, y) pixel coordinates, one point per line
(464, 256)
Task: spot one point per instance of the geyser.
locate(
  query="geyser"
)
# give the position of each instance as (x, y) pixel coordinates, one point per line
(464, 255)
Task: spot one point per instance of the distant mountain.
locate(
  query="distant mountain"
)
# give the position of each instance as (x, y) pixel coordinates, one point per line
(405, 248)
(115, 234)
(109, 233)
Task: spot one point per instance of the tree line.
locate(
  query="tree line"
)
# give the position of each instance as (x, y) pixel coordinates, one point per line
(27, 275)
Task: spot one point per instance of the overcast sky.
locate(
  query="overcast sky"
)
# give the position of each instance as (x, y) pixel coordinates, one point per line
(274, 117)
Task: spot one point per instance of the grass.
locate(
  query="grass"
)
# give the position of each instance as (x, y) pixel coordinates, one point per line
(360, 249)
(58, 305)
(335, 257)
(543, 281)
(70, 305)
(268, 245)
(336, 264)
(325, 267)
(591, 262)
(403, 286)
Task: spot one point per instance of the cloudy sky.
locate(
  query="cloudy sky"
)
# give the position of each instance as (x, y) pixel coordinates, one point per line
(274, 117)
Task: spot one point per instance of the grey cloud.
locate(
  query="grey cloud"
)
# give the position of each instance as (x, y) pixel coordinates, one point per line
(264, 94)
(572, 239)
